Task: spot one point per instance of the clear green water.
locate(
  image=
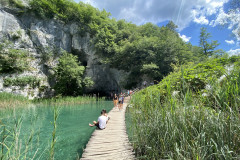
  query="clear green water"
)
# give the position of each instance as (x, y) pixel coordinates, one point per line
(72, 132)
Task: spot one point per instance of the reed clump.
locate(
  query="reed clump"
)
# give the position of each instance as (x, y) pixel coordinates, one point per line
(59, 101)
(11, 143)
(12, 100)
(9, 100)
(185, 119)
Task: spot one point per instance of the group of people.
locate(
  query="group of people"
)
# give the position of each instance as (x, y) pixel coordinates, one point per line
(118, 101)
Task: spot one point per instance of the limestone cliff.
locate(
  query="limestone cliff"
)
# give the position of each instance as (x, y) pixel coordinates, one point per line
(40, 38)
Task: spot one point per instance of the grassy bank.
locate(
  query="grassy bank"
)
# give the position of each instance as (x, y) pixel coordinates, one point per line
(12, 100)
(9, 100)
(192, 114)
(68, 100)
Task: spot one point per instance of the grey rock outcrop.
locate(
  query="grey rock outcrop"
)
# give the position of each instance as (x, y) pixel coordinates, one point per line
(40, 37)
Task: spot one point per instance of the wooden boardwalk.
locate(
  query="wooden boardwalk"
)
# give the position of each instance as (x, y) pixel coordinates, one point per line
(112, 142)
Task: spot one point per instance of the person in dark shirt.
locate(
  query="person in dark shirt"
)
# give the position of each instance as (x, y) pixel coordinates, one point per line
(115, 100)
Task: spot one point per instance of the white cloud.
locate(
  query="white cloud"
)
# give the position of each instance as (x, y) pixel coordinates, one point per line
(214, 7)
(201, 20)
(184, 37)
(234, 52)
(221, 19)
(230, 41)
(210, 7)
(231, 19)
(155, 11)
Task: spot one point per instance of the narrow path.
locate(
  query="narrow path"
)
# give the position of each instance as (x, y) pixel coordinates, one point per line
(112, 142)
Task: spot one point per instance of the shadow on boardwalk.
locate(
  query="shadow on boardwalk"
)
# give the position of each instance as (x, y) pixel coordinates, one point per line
(112, 142)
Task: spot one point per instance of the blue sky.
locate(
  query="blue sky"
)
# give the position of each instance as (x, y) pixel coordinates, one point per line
(189, 15)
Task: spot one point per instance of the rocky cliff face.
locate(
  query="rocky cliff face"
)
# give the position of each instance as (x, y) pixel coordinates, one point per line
(40, 38)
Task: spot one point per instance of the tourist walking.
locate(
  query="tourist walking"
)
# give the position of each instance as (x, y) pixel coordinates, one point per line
(121, 99)
(115, 100)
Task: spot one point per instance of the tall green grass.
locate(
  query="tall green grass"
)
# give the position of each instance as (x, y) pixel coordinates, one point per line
(11, 145)
(54, 137)
(184, 123)
(68, 100)
(14, 146)
(12, 100)
(9, 100)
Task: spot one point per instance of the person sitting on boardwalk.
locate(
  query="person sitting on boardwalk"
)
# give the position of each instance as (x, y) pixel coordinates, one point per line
(102, 121)
(105, 113)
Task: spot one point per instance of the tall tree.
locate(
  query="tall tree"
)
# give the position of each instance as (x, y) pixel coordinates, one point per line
(208, 48)
(172, 26)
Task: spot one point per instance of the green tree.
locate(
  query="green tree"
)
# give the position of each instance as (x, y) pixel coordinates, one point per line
(149, 30)
(69, 76)
(151, 70)
(208, 48)
(172, 26)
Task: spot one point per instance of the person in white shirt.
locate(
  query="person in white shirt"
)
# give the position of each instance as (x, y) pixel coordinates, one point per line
(105, 113)
(102, 121)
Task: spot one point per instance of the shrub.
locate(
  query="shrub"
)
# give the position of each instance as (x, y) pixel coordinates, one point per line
(17, 3)
(13, 60)
(4, 2)
(22, 81)
(69, 76)
(12, 100)
(13, 3)
(88, 17)
(197, 76)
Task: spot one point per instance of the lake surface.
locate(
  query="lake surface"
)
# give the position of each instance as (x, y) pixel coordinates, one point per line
(72, 131)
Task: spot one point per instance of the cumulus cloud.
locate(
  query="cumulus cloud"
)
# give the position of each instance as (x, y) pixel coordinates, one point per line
(231, 19)
(234, 52)
(202, 10)
(230, 41)
(155, 11)
(201, 20)
(185, 38)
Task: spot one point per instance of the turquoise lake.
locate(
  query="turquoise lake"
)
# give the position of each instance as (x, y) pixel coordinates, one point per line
(72, 131)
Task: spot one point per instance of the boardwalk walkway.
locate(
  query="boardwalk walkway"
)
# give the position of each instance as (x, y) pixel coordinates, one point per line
(111, 143)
